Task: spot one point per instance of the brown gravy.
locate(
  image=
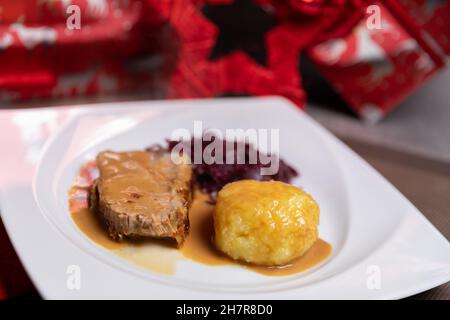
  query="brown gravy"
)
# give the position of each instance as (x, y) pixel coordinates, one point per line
(199, 247)
(160, 257)
(154, 255)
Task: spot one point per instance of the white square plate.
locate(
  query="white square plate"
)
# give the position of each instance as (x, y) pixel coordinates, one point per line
(377, 234)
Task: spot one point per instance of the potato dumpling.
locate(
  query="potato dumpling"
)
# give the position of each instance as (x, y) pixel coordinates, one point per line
(265, 223)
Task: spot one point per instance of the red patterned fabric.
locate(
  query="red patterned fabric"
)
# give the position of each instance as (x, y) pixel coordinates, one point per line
(333, 18)
(41, 57)
(375, 69)
(153, 45)
(165, 46)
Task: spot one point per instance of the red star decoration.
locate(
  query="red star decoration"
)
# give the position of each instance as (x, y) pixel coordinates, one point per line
(196, 75)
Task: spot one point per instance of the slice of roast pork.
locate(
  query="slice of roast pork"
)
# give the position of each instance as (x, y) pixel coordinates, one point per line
(143, 194)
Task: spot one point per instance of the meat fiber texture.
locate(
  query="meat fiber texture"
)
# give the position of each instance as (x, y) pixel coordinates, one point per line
(143, 194)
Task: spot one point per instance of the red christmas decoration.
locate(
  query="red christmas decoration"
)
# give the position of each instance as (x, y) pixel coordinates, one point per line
(298, 25)
(185, 48)
(41, 57)
(374, 69)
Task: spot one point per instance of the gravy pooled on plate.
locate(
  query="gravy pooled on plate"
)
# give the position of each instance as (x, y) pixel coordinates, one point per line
(136, 173)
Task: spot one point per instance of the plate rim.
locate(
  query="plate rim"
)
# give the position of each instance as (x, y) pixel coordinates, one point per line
(106, 107)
